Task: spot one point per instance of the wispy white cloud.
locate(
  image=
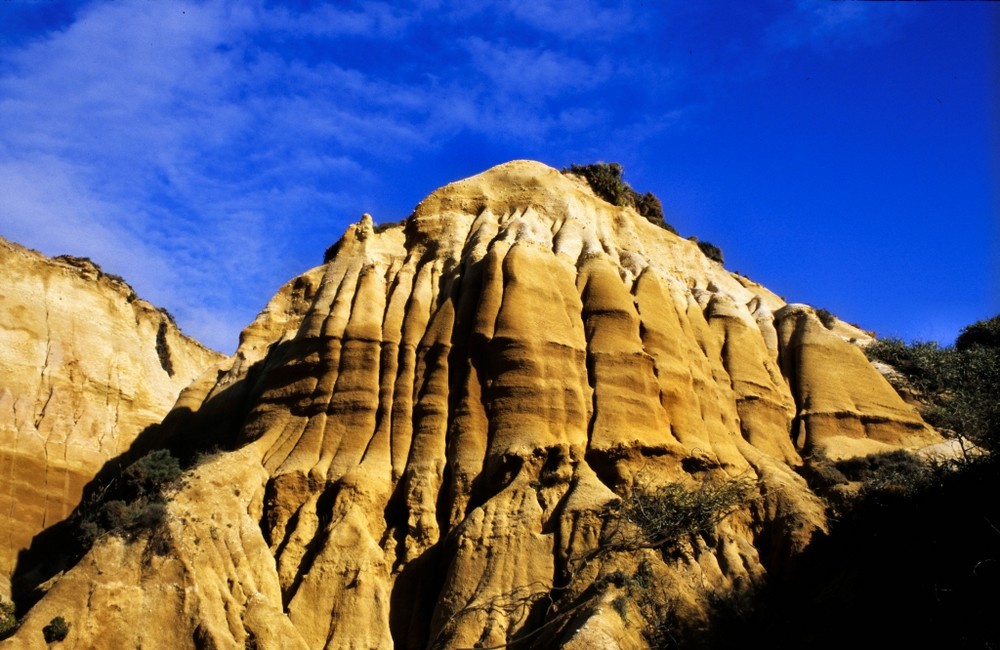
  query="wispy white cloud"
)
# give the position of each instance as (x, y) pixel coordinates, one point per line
(576, 19)
(207, 150)
(193, 147)
(102, 124)
(45, 205)
(140, 136)
(370, 19)
(590, 19)
(823, 25)
(532, 73)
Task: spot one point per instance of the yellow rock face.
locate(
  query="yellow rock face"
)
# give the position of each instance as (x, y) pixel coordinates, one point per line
(845, 406)
(435, 423)
(85, 366)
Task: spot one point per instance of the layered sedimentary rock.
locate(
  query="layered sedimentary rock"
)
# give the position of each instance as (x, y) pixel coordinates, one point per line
(85, 367)
(433, 430)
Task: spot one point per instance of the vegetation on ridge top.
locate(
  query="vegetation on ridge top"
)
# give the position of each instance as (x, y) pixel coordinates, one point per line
(608, 182)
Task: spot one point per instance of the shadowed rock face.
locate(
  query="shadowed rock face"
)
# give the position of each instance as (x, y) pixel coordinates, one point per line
(85, 366)
(435, 423)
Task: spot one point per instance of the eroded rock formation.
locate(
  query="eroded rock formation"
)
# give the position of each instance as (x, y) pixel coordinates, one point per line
(433, 429)
(85, 366)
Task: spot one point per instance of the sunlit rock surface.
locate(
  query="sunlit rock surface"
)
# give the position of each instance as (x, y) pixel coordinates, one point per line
(85, 367)
(431, 430)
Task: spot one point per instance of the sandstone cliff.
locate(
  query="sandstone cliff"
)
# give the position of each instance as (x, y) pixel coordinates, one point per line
(433, 433)
(85, 366)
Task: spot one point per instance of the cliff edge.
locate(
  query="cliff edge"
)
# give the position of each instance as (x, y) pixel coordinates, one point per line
(85, 367)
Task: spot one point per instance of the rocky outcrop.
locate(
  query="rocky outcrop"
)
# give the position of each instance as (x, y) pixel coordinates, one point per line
(436, 431)
(85, 366)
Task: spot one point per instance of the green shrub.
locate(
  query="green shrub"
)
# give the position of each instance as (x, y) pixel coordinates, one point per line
(672, 512)
(984, 333)
(131, 503)
(970, 406)
(827, 318)
(386, 225)
(649, 206)
(87, 531)
(958, 384)
(711, 251)
(662, 519)
(331, 252)
(872, 466)
(56, 630)
(8, 621)
(116, 514)
(150, 515)
(923, 364)
(153, 471)
(822, 473)
(163, 349)
(607, 181)
(895, 473)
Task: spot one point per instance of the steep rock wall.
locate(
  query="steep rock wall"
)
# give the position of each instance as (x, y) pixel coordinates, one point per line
(85, 366)
(431, 448)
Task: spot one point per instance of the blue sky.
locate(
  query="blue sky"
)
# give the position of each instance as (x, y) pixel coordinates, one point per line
(843, 154)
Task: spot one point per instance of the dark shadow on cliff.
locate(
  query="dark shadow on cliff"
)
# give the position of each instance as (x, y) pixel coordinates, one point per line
(187, 435)
(897, 570)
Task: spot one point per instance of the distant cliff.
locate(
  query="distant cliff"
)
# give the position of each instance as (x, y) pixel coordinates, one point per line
(445, 437)
(85, 366)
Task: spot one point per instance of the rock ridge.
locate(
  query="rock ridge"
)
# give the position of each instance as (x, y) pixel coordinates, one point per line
(433, 429)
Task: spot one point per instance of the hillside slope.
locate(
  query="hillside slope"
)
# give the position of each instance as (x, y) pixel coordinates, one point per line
(433, 436)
